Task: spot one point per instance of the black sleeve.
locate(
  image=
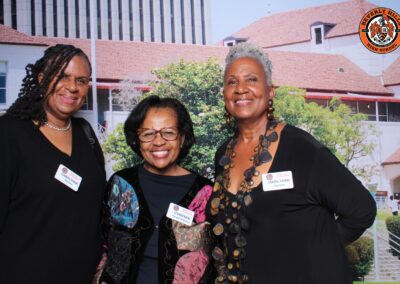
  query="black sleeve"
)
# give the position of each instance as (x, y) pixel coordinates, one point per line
(337, 189)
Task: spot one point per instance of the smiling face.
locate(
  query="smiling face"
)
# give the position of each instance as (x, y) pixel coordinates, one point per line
(71, 90)
(245, 91)
(160, 155)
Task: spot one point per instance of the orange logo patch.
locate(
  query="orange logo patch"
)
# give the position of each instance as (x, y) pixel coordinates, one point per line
(379, 30)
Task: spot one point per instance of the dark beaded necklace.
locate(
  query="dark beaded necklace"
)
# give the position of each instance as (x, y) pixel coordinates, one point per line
(229, 209)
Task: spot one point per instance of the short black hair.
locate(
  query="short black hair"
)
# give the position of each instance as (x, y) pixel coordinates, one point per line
(138, 114)
(32, 96)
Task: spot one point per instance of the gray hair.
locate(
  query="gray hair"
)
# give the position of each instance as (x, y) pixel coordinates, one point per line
(246, 49)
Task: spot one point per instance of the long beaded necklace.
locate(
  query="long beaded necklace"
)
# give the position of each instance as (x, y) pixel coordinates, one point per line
(230, 209)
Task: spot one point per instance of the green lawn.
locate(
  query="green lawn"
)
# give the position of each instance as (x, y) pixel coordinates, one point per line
(376, 282)
(383, 214)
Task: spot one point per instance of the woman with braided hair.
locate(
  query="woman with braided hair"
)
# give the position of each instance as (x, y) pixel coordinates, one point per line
(52, 176)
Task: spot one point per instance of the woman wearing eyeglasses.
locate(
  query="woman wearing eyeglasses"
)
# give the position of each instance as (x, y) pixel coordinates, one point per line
(142, 244)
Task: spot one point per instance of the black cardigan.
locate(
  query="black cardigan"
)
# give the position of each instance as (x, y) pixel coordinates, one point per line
(294, 236)
(126, 246)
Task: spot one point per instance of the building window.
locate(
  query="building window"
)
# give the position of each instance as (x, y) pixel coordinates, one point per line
(88, 104)
(109, 20)
(77, 18)
(44, 17)
(172, 21)
(55, 18)
(98, 19)
(88, 19)
(162, 21)
(183, 20)
(393, 111)
(369, 109)
(13, 14)
(130, 20)
(66, 19)
(141, 20)
(151, 21)
(193, 22)
(203, 23)
(318, 35)
(1, 13)
(120, 19)
(33, 24)
(3, 73)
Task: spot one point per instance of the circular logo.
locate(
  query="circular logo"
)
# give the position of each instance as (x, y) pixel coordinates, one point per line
(379, 30)
(176, 208)
(64, 171)
(269, 177)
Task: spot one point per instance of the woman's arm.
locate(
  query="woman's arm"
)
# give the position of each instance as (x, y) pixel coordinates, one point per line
(337, 189)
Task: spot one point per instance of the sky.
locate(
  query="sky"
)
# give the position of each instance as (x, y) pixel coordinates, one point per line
(229, 16)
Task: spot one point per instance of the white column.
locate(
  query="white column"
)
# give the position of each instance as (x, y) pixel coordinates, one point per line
(83, 33)
(125, 19)
(7, 13)
(177, 21)
(146, 21)
(188, 21)
(114, 21)
(167, 20)
(60, 19)
(136, 20)
(207, 20)
(24, 16)
(38, 18)
(71, 19)
(197, 21)
(104, 19)
(157, 20)
(49, 18)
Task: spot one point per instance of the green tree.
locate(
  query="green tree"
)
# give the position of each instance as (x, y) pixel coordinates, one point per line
(360, 255)
(198, 86)
(334, 126)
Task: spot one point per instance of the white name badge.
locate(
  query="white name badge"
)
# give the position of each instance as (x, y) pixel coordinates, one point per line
(277, 181)
(180, 214)
(68, 177)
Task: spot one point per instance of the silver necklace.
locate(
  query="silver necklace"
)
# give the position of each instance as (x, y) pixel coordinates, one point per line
(66, 128)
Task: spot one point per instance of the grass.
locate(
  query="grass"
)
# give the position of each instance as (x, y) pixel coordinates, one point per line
(376, 282)
(382, 215)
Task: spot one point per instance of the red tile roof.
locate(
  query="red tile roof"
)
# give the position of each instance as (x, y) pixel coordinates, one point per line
(11, 36)
(391, 75)
(294, 26)
(117, 60)
(393, 159)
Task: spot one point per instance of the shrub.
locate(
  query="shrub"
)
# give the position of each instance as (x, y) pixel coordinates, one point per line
(360, 255)
(393, 226)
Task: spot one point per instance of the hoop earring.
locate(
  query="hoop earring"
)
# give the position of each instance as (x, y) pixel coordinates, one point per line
(270, 110)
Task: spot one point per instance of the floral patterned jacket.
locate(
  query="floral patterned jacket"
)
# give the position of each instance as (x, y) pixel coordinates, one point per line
(127, 225)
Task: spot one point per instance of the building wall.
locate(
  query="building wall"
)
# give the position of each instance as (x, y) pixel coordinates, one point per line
(71, 19)
(16, 58)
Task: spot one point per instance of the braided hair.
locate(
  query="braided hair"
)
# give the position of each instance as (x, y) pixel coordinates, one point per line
(39, 76)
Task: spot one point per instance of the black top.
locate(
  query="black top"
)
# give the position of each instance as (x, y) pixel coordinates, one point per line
(159, 192)
(48, 232)
(129, 224)
(293, 236)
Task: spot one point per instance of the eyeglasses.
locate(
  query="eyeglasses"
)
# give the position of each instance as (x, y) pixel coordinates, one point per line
(148, 135)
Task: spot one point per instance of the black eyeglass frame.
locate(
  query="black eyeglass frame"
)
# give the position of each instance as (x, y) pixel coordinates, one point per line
(154, 133)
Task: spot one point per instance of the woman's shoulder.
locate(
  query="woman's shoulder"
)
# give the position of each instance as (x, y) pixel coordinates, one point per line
(296, 138)
(12, 126)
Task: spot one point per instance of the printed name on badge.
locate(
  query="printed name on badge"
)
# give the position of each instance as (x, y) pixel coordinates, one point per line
(68, 177)
(180, 214)
(277, 181)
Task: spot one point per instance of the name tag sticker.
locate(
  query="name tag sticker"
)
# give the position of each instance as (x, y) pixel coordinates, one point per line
(180, 214)
(277, 181)
(68, 177)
